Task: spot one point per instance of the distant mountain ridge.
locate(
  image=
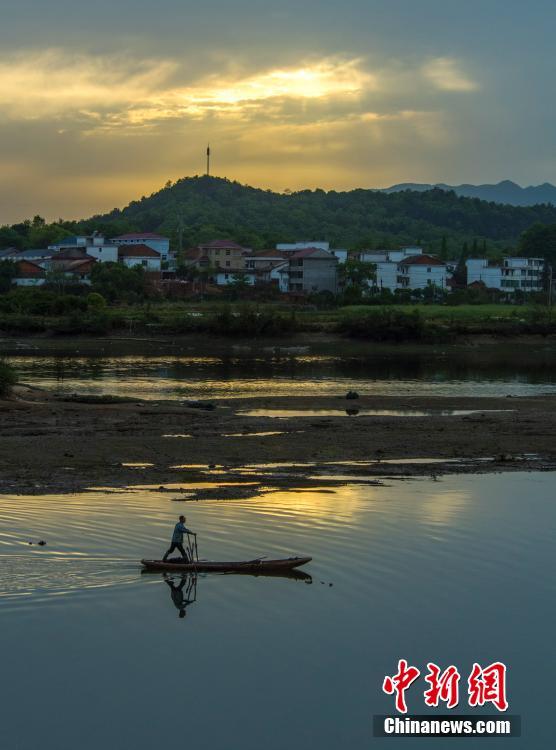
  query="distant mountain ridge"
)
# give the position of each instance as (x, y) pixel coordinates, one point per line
(502, 192)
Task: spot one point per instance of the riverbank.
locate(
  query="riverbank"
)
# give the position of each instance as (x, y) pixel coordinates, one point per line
(50, 446)
(26, 316)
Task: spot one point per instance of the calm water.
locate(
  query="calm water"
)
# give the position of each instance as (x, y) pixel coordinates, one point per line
(176, 370)
(94, 654)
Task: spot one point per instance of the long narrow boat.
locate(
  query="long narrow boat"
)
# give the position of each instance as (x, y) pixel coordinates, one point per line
(246, 566)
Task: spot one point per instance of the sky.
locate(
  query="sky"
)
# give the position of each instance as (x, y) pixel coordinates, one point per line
(103, 102)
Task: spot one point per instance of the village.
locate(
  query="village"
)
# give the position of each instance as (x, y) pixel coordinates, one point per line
(300, 268)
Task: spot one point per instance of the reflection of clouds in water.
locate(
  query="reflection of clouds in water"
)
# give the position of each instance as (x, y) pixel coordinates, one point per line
(281, 375)
(443, 508)
(314, 507)
(360, 536)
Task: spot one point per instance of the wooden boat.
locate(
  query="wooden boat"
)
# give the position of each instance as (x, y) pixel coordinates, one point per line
(259, 565)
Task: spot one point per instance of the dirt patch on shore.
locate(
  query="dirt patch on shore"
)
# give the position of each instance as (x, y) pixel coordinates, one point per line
(48, 445)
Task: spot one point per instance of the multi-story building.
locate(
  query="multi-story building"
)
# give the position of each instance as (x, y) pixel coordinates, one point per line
(150, 239)
(406, 268)
(270, 266)
(94, 245)
(524, 274)
(420, 272)
(222, 255)
(313, 270)
(294, 247)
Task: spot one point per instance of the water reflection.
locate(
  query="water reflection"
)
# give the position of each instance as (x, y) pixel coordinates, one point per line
(495, 371)
(182, 593)
(353, 412)
(452, 571)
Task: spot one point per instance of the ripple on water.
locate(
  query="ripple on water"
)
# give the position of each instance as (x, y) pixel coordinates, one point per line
(466, 531)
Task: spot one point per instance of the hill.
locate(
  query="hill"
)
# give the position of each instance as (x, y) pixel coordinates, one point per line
(503, 192)
(199, 209)
(208, 207)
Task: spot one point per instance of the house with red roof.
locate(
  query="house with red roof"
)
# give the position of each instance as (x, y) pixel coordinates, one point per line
(29, 274)
(140, 255)
(406, 268)
(151, 239)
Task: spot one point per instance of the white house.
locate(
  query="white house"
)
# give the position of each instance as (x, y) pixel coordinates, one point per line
(150, 239)
(484, 271)
(389, 256)
(140, 255)
(104, 251)
(525, 274)
(420, 272)
(271, 266)
(406, 268)
(268, 266)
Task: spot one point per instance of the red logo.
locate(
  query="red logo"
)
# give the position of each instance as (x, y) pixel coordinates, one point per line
(399, 683)
(485, 685)
(488, 685)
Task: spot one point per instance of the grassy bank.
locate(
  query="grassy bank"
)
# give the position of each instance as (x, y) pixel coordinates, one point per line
(418, 323)
(430, 323)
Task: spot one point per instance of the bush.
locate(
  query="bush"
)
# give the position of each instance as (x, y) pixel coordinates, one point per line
(8, 378)
(14, 323)
(68, 304)
(385, 325)
(249, 321)
(96, 323)
(118, 283)
(96, 301)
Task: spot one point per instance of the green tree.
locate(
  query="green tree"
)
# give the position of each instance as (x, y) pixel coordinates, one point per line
(444, 248)
(357, 273)
(539, 241)
(8, 271)
(118, 283)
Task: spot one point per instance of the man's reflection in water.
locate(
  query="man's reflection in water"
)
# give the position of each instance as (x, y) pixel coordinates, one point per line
(183, 593)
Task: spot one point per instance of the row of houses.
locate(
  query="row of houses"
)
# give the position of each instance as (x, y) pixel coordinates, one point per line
(74, 257)
(312, 266)
(411, 268)
(301, 267)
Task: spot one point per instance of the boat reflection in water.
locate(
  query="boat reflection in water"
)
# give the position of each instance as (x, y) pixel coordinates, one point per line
(183, 587)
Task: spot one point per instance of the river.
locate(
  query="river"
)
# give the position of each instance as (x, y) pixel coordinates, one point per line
(94, 653)
(184, 368)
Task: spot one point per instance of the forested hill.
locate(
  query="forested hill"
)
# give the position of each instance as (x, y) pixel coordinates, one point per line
(209, 207)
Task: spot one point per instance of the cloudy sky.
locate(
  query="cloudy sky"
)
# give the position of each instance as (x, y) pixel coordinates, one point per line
(102, 102)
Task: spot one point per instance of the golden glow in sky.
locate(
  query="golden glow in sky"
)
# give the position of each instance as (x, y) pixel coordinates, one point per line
(99, 130)
(103, 102)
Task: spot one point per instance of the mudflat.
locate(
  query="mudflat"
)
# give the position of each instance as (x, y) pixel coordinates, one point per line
(49, 445)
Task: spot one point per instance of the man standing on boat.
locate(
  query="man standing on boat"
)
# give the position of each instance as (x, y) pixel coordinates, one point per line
(177, 539)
